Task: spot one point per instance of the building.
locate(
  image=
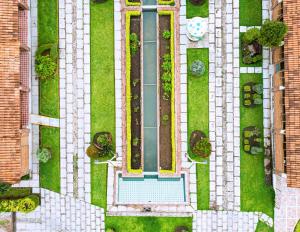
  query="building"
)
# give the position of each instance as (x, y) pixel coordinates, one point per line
(286, 117)
(14, 90)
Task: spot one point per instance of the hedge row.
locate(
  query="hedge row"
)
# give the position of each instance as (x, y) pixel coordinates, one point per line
(172, 52)
(24, 205)
(129, 3)
(166, 2)
(129, 14)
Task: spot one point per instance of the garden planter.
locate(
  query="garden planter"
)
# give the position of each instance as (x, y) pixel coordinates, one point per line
(133, 92)
(166, 94)
(252, 140)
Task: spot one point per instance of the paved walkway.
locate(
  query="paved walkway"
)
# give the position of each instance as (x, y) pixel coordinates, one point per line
(74, 46)
(224, 104)
(221, 221)
(61, 213)
(287, 207)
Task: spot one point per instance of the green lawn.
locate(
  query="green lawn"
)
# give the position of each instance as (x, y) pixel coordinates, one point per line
(198, 118)
(242, 64)
(16, 193)
(262, 227)
(250, 12)
(255, 195)
(146, 224)
(102, 88)
(48, 33)
(50, 171)
(200, 11)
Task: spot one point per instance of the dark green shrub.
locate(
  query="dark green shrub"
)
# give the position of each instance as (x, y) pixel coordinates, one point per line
(92, 152)
(4, 187)
(272, 33)
(45, 67)
(166, 34)
(202, 148)
(134, 43)
(103, 141)
(43, 155)
(258, 88)
(251, 35)
(197, 68)
(256, 150)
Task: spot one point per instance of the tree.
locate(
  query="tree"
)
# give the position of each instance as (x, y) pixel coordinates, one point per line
(272, 33)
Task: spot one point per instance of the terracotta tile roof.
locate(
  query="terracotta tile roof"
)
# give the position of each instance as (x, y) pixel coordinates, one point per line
(292, 90)
(10, 117)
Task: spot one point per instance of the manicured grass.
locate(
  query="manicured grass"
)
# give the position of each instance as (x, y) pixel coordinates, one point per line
(147, 224)
(102, 88)
(198, 119)
(250, 12)
(16, 193)
(242, 64)
(50, 171)
(255, 194)
(200, 11)
(48, 33)
(262, 227)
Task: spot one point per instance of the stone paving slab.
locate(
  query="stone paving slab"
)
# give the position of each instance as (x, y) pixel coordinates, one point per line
(44, 121)
(59, 212)
(224, 221)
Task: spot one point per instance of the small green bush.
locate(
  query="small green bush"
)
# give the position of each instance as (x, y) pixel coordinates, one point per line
(202, 148)
(92, 152)
(256, 150)
(165, 119)
(45, 67)
(106, 145)
(258, 101)
(272, 33)
(258, 88)
(24, 205)
(197, 68)
(135, 141)
(28, 204)
(43, 155)
(134, 43)
(166, 34)
(251, 35)
(4, 187)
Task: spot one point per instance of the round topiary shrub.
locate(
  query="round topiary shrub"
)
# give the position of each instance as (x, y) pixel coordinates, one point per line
(43, 155)
(103, 141)
(199, 144)
(45, 67)
(28, 204)
(272, 33)
(4, 187)
(181, 229)
(197, 68)
(92, 151)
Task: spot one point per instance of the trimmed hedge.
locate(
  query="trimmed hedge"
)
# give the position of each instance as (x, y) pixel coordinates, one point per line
(128, 3)
(129, 14)
(172, 53)
(24, 205)
(166, 2)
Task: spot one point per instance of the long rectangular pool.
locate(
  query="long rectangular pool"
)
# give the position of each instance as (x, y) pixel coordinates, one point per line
(151, 190)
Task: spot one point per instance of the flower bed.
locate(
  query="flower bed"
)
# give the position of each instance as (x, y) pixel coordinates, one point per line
(167, 158)
(133, 92)
(252, 94)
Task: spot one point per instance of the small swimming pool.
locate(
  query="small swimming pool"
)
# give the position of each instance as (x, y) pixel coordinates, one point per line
(151, 190)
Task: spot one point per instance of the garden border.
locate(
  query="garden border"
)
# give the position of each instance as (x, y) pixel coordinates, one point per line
(172, 52)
